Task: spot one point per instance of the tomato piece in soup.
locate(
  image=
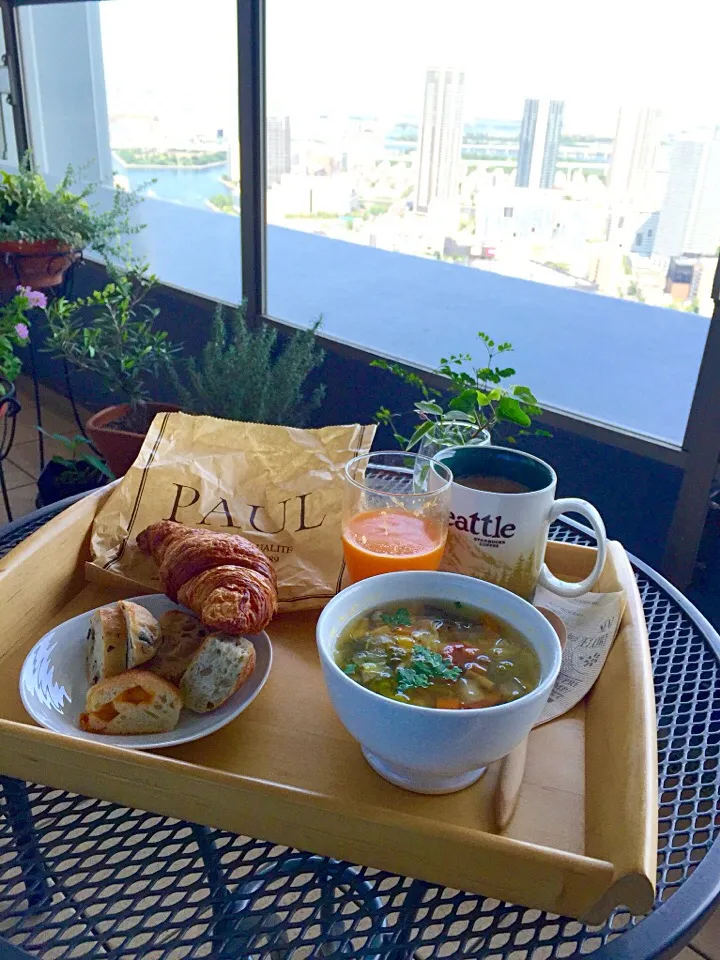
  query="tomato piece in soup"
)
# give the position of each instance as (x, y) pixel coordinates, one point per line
(460, 654)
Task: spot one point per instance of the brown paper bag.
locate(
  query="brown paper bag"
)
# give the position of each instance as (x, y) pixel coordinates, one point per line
(280, 487)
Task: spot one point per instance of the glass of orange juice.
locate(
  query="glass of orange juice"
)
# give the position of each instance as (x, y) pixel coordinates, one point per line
(395, 513)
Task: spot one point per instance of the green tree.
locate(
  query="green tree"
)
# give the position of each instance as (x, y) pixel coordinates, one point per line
(222, 201)
(142, 157)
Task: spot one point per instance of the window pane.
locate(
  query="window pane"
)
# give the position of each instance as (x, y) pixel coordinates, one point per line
(143, 93)
(8, 148)
(429, 177)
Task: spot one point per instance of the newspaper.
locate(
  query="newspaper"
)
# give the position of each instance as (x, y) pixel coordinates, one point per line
(592, 622)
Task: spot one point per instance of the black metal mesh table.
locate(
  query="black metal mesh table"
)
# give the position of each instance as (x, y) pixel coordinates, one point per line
(81, 877)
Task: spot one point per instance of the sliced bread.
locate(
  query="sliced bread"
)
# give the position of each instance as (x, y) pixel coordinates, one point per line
(133, 702)
(221, 666)
(106, 644)
(182, 635)
(143, 633)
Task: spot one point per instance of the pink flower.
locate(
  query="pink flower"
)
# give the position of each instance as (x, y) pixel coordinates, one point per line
(21, 329)
(37, 299)
(34, 297)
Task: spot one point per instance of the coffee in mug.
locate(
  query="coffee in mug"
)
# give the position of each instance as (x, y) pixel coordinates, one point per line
(494, 484)
(503, 502)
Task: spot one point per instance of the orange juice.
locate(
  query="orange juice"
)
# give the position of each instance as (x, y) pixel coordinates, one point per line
(382, 541)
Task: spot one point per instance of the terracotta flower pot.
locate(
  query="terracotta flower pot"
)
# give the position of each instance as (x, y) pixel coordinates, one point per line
(118, 446)
(37, 264)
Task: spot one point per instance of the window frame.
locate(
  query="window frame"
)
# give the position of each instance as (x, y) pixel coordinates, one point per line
(253, 184)
(697, 456)
(252, 106)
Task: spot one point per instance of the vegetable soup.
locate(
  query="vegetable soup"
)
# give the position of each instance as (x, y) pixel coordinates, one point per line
(435, 654)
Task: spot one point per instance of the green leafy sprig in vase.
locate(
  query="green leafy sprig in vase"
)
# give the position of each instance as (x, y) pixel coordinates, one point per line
(481, 399)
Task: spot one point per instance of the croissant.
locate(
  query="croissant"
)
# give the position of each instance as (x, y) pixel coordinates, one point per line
(222, 577)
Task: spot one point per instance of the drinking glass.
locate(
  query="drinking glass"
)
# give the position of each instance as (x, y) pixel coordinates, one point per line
(396, 508)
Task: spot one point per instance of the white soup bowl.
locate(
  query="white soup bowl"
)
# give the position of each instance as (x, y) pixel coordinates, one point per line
(422, 748)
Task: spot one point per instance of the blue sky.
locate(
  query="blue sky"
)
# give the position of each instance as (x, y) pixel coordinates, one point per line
(369, 56)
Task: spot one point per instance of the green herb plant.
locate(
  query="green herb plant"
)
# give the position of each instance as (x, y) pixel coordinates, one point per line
(31, 211)
(111, 333)
(425, 666)
(75, 464)
(480, 399)
(245, 373)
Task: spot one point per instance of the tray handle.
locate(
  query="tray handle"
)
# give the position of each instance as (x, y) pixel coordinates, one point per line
(621, 798)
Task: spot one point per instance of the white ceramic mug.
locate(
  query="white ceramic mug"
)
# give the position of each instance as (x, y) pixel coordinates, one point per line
(501, 537)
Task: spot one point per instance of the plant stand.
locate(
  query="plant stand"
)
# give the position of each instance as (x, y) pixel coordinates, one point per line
(36, 395)
(9, 409)
(15, 261)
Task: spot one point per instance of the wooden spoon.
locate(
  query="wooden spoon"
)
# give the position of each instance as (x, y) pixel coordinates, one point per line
(512, 771)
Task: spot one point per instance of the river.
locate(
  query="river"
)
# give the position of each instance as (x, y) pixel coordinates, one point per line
(181, 184)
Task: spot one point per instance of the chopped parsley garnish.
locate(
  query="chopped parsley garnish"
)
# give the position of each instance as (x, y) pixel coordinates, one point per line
(350, 668)
(401, 618)
(425, 666)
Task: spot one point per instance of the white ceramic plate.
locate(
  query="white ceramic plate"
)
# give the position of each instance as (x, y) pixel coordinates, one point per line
(53, 685)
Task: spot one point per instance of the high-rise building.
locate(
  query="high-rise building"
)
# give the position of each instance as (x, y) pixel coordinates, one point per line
(637, 138)
(279, 148)
(645, 233)
(690, 213)
(440, 139)
(539, 143)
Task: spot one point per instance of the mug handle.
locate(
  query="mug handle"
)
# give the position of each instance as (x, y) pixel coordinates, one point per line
(562, 587)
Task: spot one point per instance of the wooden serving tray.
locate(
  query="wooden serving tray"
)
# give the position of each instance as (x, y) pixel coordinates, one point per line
(583, 838)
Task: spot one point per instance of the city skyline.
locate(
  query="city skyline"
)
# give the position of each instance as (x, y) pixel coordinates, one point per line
(460, 114)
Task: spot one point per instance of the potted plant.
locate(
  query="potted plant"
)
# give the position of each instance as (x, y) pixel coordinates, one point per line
(111, 333)
(245, 374)
(66, 476)
(15, 332)
(479, 402)
(43, 231)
